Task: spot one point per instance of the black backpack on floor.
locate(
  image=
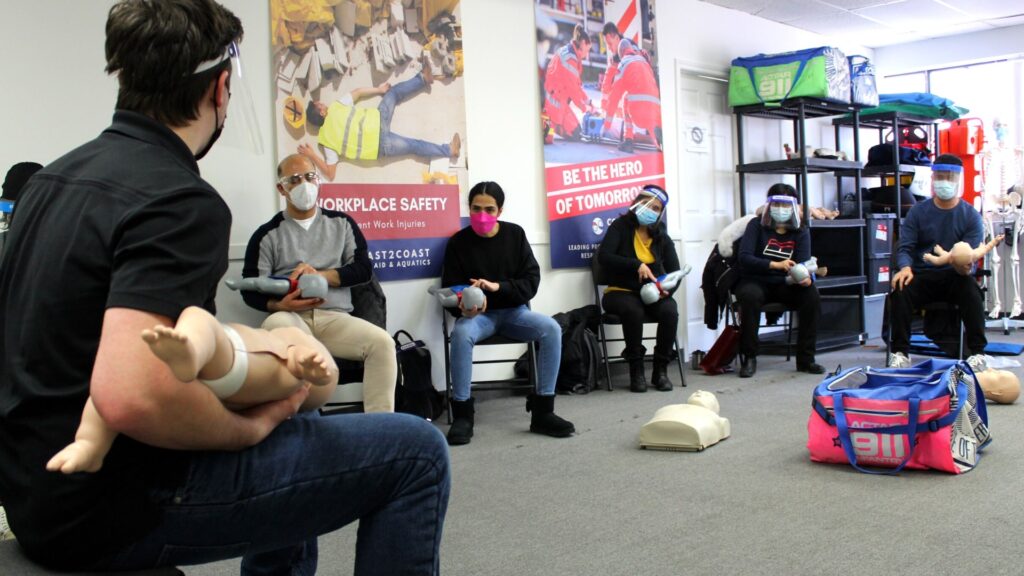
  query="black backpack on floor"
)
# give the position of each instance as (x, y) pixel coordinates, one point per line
(580, 368)
(414, 390)
(581, 353)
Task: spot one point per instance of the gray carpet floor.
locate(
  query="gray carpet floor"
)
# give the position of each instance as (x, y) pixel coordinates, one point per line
(595, 504)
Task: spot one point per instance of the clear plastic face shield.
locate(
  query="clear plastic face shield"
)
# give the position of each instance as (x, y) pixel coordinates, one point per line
(649, 205)
(781, 211)
(946, 180)
(241, 125)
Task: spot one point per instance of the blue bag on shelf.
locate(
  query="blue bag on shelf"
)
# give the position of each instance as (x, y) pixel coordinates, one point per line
(863, 89)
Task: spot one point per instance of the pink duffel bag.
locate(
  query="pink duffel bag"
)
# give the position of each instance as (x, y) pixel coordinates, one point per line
(931, 415)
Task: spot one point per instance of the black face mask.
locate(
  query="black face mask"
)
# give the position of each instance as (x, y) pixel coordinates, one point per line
(216, 131)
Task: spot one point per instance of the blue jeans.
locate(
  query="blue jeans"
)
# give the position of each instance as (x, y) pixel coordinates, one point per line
(312, 475)
(519, 323)
(392, 144)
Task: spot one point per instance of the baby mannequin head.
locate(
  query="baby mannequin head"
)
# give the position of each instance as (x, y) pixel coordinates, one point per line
(1000, 386)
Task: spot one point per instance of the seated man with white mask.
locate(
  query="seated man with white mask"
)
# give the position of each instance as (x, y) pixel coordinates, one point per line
(306, 239)
(942, 221)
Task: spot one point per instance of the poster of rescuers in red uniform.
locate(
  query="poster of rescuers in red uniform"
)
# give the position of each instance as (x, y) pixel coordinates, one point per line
(600, 116)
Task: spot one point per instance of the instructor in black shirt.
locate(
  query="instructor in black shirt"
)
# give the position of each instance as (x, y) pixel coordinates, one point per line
(120, 235)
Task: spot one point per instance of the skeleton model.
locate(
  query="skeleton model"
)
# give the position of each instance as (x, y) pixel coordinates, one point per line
(1002, 170)
(1005, 219)
(1002, 166)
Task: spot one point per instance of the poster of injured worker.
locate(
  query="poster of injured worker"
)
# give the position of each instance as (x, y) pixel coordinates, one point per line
(600, 116)
(371, 91)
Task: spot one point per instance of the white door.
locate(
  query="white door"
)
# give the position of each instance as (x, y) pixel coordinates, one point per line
(706, 180)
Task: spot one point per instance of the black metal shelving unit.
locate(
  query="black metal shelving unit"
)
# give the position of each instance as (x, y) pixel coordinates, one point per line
(883, 122)
(798, 111)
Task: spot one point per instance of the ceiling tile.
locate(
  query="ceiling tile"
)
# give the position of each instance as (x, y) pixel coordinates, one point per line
(857, 4)
(793, 9)
(839, 24)
(748, 6)
(1006, 21)
(984, 9)
(884, 22)
(913, 14)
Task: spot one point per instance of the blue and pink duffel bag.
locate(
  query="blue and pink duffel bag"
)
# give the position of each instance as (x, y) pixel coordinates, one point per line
(929, 416)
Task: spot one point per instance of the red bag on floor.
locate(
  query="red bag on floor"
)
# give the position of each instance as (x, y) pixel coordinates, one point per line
(719, 359)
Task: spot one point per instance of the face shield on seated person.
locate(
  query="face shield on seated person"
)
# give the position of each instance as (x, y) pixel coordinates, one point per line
(781, 211)
(946, 180)
(649, 205)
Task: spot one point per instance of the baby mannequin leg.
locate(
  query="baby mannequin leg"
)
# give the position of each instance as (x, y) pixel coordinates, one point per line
(281, 360)
(278, 362)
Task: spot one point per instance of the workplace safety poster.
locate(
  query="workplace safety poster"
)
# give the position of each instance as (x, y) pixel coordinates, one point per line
(600, 116)
(372, 93)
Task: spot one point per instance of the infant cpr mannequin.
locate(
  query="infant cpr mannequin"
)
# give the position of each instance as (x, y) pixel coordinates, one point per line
(469, 296)
(801, 272)
(1000, 386)
(689, 427)
(308, 285)
(654, 291)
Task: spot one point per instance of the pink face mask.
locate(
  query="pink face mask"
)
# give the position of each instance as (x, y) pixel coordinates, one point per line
(482, 222)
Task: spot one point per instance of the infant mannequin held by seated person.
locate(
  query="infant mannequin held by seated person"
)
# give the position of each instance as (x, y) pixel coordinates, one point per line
(242, 366)
(962, 257)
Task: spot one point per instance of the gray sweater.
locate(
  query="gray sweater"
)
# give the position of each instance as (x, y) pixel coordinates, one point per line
(332, 241)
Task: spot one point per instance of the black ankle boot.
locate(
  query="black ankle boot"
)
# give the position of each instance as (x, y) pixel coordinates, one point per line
(659, 377)
(543, 419)
(462, 422)
(637, 380)
(748, 366)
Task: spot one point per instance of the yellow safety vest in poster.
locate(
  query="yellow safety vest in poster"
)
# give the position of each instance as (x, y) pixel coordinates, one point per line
(351, 131)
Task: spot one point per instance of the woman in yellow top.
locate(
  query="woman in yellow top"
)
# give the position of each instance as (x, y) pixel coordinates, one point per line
(637, 250)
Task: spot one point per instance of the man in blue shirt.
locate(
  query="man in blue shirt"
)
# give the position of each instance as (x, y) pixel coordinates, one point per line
(944, 220)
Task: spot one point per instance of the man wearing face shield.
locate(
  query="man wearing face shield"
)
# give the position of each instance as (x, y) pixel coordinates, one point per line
(770, 247)
(306, 239)
(942, 221)
(637, 250)
(131, 236)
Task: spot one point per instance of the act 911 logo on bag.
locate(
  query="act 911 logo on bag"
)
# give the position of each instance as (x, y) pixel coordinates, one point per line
(872, 447)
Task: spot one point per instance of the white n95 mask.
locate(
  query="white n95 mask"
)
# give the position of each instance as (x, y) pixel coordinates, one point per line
(304, 195)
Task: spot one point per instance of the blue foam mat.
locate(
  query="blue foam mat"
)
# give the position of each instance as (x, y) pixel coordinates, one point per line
(922, 345)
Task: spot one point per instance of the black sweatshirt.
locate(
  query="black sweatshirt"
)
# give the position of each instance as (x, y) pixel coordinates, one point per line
(761, 246)
(505, 258)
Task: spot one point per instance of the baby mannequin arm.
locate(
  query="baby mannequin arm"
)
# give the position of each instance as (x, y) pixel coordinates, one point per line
(92, 442)
(983, 249)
